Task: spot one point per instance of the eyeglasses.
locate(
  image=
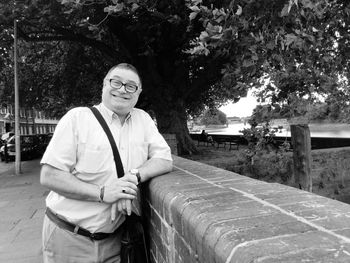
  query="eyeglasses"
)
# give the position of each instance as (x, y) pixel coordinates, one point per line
(117, 84)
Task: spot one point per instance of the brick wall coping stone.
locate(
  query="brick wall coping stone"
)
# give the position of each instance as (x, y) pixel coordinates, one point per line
(200, 213)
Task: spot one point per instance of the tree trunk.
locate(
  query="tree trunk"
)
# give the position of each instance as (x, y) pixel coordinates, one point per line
(301, 142)
(174, 120)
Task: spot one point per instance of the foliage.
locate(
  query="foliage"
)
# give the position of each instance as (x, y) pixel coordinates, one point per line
(213, 117)
(260, 139)
(295, 50)
(264, 158)
(192, 54)
(153, 36)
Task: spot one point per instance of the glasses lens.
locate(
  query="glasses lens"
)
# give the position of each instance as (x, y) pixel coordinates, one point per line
(130, 88)
(116, 84)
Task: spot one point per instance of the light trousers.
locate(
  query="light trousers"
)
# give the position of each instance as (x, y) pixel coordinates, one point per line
(62, 246)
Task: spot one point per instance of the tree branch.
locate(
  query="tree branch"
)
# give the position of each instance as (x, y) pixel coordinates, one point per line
(61, 34)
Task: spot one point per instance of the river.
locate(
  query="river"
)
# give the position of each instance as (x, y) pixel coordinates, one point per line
(335, 130)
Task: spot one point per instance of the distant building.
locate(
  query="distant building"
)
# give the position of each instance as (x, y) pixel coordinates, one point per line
(233, 120)
(31, 121)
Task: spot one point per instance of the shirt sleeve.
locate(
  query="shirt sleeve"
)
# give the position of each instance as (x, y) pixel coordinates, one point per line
(61, 152)
(157, 147)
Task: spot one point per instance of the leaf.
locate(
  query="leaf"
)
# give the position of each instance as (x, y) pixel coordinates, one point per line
(63, 2)
(290, 38)
(203, 36)
(285, 10)
(196, 2)
(119, 7)
(193, 15)
(69, 11)
(308, 4)
(174, 19)
(255, 57)
(216, 37)
(134, 7)
(247, 63)
(108, 9)
(213, 30)
(239, 10)
(93, 28)
(195, 9)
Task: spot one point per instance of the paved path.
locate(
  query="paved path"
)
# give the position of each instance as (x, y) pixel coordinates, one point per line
(22, 203)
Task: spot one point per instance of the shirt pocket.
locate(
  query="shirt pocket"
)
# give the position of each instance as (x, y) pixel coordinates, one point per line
(93, 158)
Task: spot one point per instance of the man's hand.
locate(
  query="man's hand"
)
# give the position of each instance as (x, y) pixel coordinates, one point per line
(121, 188)
(124, 205)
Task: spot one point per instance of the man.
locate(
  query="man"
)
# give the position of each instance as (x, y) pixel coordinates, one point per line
(80, 224)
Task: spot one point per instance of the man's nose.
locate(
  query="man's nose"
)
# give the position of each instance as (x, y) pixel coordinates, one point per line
(123, 88)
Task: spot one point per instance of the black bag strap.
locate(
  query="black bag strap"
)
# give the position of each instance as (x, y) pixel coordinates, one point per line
(117, 160)
(120, 171)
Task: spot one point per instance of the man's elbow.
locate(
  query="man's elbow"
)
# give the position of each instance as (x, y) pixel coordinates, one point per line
(168, 166)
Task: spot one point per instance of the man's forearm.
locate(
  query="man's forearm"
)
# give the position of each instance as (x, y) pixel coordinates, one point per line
(66, 184)
(154, 167)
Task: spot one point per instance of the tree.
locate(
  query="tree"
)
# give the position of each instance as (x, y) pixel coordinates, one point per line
(193, 54)
(214, 117)
(151, 35)
(296, 51)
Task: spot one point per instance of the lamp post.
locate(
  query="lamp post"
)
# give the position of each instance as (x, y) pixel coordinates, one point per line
(17, 128)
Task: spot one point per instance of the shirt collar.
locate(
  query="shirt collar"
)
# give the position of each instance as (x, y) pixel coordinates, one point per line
(110, 115)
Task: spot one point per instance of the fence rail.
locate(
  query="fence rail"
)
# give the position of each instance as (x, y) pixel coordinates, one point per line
(316, 142)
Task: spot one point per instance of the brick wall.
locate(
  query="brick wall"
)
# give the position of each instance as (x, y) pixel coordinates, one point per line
(199, 213)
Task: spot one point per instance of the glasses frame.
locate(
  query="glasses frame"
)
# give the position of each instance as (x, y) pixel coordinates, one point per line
(123, 84)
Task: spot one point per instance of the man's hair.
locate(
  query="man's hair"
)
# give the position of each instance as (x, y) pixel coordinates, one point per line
(125, 66)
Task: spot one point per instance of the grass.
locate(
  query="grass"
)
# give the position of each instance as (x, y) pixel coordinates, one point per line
(218, 157)
(230, 160)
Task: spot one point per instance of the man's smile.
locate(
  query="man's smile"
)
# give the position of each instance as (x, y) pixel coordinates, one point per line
(120, 97)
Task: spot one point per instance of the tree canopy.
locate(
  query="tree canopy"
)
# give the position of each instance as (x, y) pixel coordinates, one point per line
(296, 51)
(69, 45)
(213, 117)
(191, 54)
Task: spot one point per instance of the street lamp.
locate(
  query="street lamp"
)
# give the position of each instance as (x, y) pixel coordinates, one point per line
(17, 128)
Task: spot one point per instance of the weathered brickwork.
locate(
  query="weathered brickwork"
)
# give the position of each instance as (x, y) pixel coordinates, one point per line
(199, 213)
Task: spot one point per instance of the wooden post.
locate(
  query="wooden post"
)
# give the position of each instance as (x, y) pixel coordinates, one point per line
(301, 142)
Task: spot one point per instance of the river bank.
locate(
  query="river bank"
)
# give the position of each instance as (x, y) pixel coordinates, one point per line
(337, 130)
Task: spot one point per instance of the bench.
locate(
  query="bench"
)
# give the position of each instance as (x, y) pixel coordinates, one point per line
(226, 141)
(201, 139)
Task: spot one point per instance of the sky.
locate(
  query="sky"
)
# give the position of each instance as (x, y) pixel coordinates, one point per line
(243, 108)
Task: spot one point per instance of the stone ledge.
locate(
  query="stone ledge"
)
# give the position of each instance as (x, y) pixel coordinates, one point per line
(199, 213)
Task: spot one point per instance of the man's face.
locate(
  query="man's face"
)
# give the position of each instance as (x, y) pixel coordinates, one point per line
(119, 100)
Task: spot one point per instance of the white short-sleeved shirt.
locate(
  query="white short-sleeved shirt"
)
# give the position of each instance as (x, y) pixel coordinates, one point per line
(80, 146)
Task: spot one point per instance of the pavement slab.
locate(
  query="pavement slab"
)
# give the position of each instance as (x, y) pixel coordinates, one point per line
(22, 209)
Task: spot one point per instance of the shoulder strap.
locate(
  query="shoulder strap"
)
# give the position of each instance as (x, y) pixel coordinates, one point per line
(117, 160)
